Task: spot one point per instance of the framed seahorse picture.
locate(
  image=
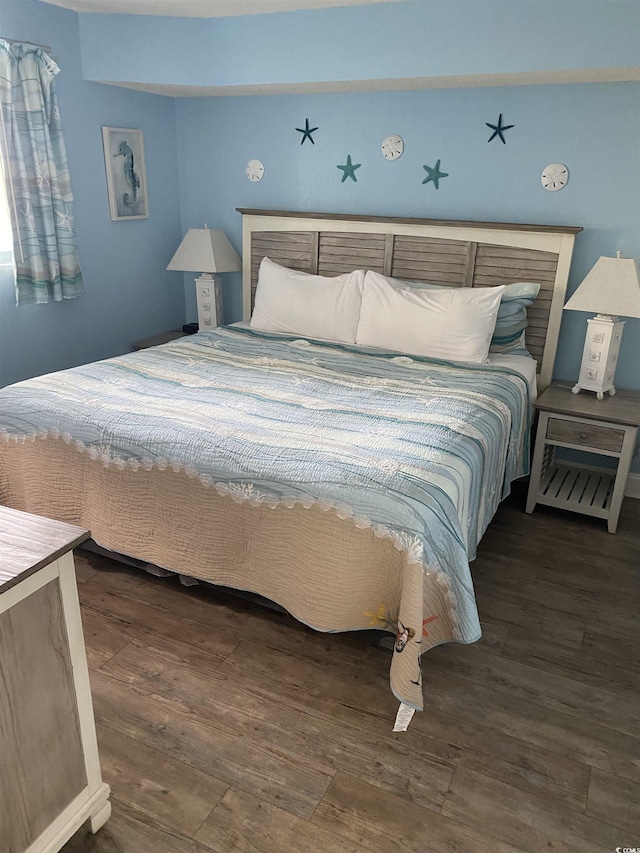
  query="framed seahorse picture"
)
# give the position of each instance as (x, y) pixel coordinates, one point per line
(126, 175)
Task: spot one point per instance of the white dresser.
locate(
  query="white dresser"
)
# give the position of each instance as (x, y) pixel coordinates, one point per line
(50, 780)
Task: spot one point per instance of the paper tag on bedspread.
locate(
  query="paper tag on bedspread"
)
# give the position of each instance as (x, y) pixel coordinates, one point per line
(403, 717)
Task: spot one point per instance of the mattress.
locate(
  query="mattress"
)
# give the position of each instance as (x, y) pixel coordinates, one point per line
(218, 455)
(524, 364)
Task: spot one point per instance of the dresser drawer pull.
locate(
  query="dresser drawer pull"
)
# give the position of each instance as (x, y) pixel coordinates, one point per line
(584, 436)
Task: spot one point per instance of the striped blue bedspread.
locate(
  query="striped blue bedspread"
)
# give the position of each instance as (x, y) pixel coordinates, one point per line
(420, 450)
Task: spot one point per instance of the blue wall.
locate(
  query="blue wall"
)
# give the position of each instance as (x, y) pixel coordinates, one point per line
(592, 128)
(386, 40)
(129, 295)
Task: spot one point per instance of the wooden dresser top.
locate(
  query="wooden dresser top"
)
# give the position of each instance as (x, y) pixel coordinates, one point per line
(29, 542)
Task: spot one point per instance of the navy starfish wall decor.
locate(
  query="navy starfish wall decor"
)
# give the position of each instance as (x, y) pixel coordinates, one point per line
(306, 132)
(498, 129)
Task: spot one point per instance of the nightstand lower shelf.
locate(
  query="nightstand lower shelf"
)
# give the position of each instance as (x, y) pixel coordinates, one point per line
(577, 489)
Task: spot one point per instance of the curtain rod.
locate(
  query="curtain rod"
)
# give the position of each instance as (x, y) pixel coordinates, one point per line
(24, 41)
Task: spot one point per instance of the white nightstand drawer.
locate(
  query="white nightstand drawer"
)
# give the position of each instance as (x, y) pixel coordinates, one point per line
(585, 435)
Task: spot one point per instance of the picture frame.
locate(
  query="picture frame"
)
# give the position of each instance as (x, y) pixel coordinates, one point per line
(126, 173)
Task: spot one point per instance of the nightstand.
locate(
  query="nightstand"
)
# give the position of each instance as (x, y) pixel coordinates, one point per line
(606, 427)
(156, 340)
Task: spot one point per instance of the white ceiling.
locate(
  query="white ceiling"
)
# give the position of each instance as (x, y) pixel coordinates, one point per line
(203, 8)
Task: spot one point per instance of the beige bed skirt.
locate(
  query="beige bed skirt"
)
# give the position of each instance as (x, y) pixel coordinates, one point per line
(324, 570)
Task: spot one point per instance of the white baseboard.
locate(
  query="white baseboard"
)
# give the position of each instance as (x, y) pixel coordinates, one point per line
(633, 486)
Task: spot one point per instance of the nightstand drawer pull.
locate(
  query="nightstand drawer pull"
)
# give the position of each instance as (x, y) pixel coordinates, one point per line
(573, 432)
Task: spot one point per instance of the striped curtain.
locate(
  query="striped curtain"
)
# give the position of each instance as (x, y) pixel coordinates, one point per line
(36, 176)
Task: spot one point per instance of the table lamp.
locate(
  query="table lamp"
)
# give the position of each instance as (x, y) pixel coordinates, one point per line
(206, 251)
(612, 289)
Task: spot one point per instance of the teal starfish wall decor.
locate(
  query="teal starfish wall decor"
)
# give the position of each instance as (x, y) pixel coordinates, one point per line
(434, 174)
(498, 129)
(306, 132)
(349, 169)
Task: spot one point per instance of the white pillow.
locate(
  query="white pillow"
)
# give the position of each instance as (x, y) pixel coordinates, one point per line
(315, 306)
(455, 323)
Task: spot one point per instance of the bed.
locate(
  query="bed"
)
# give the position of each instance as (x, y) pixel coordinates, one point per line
(350, 485)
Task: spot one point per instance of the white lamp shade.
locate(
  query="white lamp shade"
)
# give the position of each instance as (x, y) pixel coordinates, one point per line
(205, 250)
(611, 287)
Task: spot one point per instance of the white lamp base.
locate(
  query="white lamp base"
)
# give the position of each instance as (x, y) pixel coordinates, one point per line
(209, 298)
(600, 356)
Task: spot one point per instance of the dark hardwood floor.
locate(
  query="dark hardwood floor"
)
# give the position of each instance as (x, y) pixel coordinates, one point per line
(224, 726)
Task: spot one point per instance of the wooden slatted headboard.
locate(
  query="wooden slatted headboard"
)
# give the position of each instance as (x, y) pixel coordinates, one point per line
(449, 253)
